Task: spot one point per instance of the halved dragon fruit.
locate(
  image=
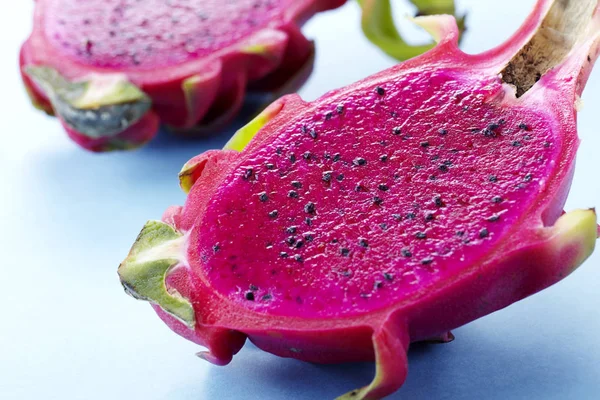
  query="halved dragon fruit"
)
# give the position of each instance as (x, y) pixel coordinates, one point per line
(111, 69)
(384, 213)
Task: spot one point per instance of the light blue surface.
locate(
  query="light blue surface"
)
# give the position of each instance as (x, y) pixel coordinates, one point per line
(67, 330)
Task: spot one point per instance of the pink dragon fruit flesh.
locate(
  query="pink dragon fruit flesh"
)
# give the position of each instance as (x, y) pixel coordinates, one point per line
(110, 70)
(387, 212)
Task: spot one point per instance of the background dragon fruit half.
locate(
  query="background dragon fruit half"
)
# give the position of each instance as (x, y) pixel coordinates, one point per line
(387, 212)
(112, 70)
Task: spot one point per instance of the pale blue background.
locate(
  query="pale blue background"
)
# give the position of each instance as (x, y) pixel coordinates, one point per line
(68, 217)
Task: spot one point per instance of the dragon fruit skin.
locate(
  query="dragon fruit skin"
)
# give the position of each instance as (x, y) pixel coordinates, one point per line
(444, 205)
(167, 50)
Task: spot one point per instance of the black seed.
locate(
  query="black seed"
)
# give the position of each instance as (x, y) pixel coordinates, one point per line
(493, 218)
(327, 176)
(309, 207)
(547, 144)
(216, 248)
(359, 188)
(359, 161)
(443, 132)
(299, 244)
(406, 253)
(527, 137)
(394, 114)
(298, 258)
(344, 251)
(483, 233)
(273, 214)
(293, 158)
(248, 173)
(363, 242)
(304, 129)
(291, 230)
(527, 178)
(493, 178)
(426, 261)
(249, 296)
(448, 163)
(421, 235)
(290, 241)
(293, 194)
(425, 144)
(397, 217)
(340, 177)
(460, 233)
(377, 200)
(296, 184)
(383, 187)
(313, 133)
(308, 237)
(516, 143)
(397, 130)
(378, 284)
(432, 177)
(383, 158)
(337, 157)
(270, 166)
(380, 91)
(283, 254)
(334, 240)
(438, 201)
(263, 196)
(383, 226)
(497, 199)
(306, 155)
(443, 168)
(523, 126)
(429, 217)
(308, 221)
(328, 116)
(254, 288)
(411, 216)
(339, 109)
(279, 150)
(267, 297)
(388, 276)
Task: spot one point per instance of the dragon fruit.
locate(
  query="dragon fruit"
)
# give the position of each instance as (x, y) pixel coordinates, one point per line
(110, 70)
(384, 213)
